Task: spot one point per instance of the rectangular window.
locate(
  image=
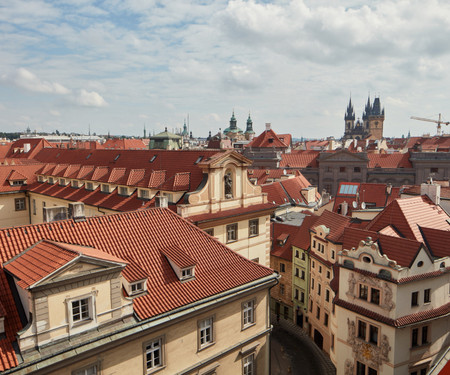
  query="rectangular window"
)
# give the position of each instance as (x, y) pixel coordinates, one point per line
(253, 227)
(297, 253)
(302, 297)
(311, 306)
(427, 296)
(327, 295)
(328, 275)
(123, 190)
(424, 335)
(296, 294)
(248, 365)
(144, 194)
(312, 283)
(332, 342)
(375, 296)
(206, 332)
(333, 254)
(361, 369)
(232, 232)
(248, 313)
(314, 244)
(302, 275)
(81, 310)
(89, 186)
(137, 288)
(282, 289)
(105, 188)
(282, 267)
(88, 370)
(297, 272)
(320, 269)
(325, 320)
(153, 354)
(414, 298)
(363, 292)
(419, 336)
(319, 289)
(356, 169)
(318, 313)
(415, 337)
(20, 204)
(373, 335)
(368, 332)
(34, 206)
(210, 231)
(313, 264)
(342, 169)
(362, 327)
(186, 273)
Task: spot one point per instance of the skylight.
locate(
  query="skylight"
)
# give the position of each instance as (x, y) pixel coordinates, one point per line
(117, 157)
(199, 159)
(153, 158)
(87, 157)
(348, 189)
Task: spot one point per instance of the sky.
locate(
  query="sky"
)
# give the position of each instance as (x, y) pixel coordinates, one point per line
(118, 66)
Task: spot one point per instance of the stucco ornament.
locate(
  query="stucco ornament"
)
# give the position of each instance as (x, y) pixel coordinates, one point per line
(351, 331)
(388, 304)
(228, 184)
(351, 285)
(349, 367)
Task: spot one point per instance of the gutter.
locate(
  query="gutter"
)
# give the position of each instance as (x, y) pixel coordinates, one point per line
(137, 330)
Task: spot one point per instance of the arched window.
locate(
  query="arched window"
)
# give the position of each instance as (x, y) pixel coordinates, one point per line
(228, 184)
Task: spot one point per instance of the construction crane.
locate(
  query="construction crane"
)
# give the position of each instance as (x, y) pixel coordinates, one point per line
(438, 122)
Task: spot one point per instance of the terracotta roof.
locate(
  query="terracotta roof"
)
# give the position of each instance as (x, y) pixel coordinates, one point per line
(175, 254)
(302, 238)
(415, 190)
(45, 257)
(230, 213)
(262, 175)
(395, 160)
(282, 232)
(437, 241)
(140, 236)
(275, 193)
(300, 159)
(402, 250)
(17, 172)
(268, 138)
(124, 144)
(36, 145)
(400, 322)
(335, 222)
(407, 214)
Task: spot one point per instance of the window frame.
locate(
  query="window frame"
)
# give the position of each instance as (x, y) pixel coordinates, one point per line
(415, 298)
(253, 228)
(249, 362)
(161, 348)
(420, 336)
(230, 229)
(92, 314)
(208, 325)
(248, 313)
(366, 336)
(20, 204)
(427, 295)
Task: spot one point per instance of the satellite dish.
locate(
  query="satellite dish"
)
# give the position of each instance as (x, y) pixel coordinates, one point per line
(355, 204)
(363, 205)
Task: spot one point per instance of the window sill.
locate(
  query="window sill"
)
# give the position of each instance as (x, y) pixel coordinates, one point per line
(253, 235)
(231, 241)
(156, 369)
(248, 326)
(205, 346)
(422, 346)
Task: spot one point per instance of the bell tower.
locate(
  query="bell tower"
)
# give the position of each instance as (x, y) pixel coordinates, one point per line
(376, 120)
(349, 118)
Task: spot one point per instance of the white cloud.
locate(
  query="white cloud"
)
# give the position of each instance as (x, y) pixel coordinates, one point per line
(55, 113)
(89, 99)
(27, 80)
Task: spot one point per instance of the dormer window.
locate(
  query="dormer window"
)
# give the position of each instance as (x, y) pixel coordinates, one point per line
(62, 182)
(186, 273)
(18, 182)
(75, 184)
(105, 188)
(51, 180)
(182, 264)
(41, 178)
(137, 288)
(89, 186)
(81, 310)
(123, 190)
(144, 194)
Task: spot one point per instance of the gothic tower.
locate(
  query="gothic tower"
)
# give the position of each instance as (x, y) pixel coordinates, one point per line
(376, 120)
(349, 118)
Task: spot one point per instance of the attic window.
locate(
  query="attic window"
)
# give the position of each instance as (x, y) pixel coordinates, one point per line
(117, 157)
(144, 194)
(349, 264)
(50, 180)
(153, 158)
(41, 178)
(105, 188)
(62, 182)
(186, 273)
(123, 190)
(420, 264)
(385, 274)
(137, 287)
(89, 186)
(199, 159)
(270, 140)
(75, 184)
(18, 182)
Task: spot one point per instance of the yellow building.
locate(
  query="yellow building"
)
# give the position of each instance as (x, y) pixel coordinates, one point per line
(140, 293)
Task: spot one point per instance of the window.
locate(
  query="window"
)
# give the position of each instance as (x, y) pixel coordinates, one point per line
(144, 194)
(434, 170)
(282, 289)
(210, 231)
(18, 182)
(333, 254)
(51, 180)
(20, 204)
(297, 272)
(105, 188)
(325, 320)
(34, 206)
(303, 256)
(232, 232)
(89, 186)
(320, 269)
(314, 244)
(137, 287)
(313, 265)
(302, 275)
(368, 332)
(153, 354)
(318, 313)
(363, 292)
(302, 297)
(328, 275)
(205, 332)
(253, 228)
(419, 336)
(296, 294)
(123, 190)
(357, 169)
(311, 306)
(427, 296)
(312, 283)
(88, 370)
(362, 369)
(375, 296)
(81, 310)
(297, 253)
(248, 313)
(282, 267)
(332, 342)
(248, 365)
(319, 289)
(74, 184)
(186, 273)
(414, 298)
(327, 295)
(342, 169)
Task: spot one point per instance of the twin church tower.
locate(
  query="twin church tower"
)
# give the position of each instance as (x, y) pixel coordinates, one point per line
(371, 125)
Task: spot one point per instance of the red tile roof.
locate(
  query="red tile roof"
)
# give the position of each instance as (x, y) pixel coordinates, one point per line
(335, 222)
(45, 257)
(407, 214)
(268, 138)
(36, 145)
(124, 144)
(175, 254)
(396, 160)
(282, 232)
(262, 175)
(437, 241)
(302, 238)
(139, 236)
(17, 172)
(300, 159)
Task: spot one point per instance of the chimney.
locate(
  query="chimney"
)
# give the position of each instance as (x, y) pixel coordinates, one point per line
(162, 201)
(432, 190)
(26, 147)
(267, 126)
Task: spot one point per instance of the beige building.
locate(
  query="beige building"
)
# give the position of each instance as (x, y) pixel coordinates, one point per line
(142, 293)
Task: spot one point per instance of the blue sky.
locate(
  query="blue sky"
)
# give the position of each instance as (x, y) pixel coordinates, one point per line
(119, 64)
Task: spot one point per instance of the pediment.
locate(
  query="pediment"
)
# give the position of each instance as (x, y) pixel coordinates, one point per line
(79, 268)
(343, 155)
(221, 159)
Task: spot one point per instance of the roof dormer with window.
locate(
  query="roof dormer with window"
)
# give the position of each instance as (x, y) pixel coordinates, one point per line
(75, 290)
(182, 264)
